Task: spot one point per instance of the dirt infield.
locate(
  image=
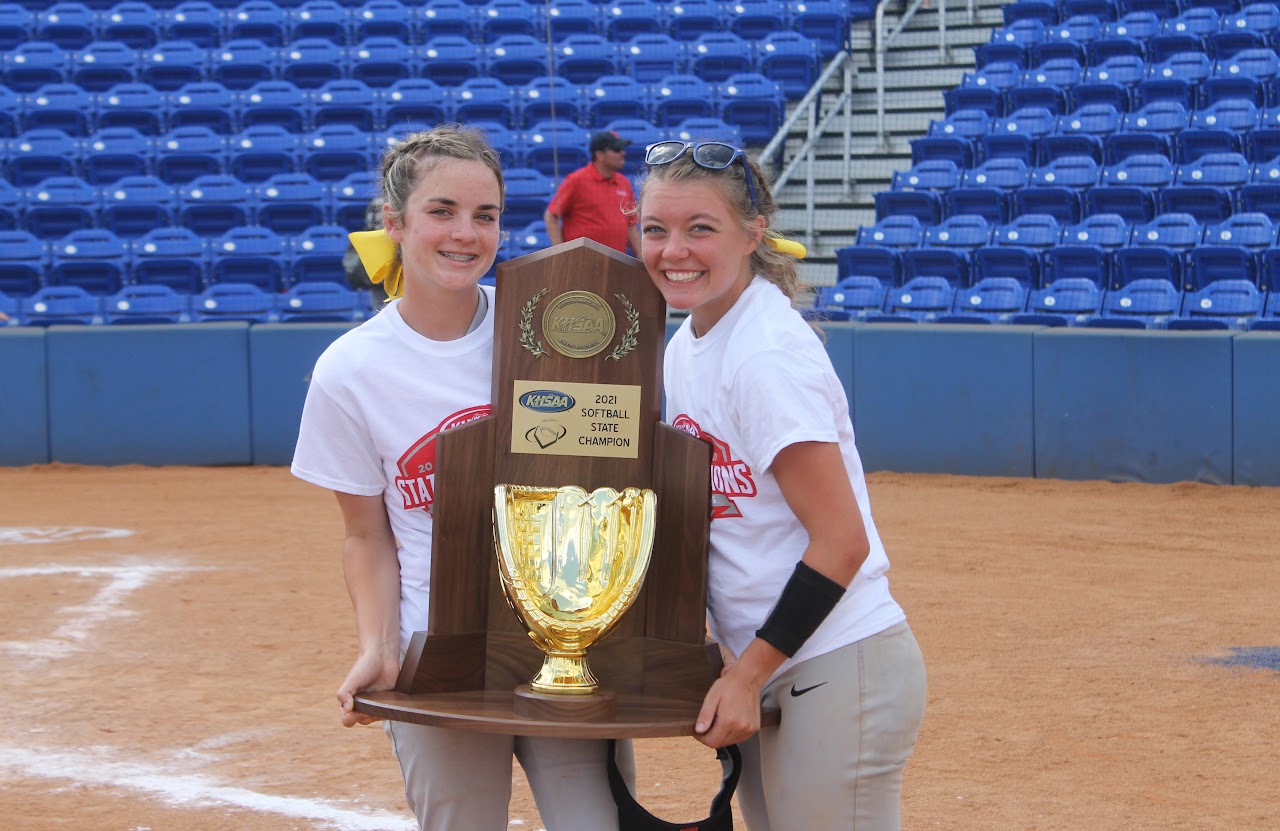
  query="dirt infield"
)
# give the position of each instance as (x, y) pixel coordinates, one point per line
(177, 672)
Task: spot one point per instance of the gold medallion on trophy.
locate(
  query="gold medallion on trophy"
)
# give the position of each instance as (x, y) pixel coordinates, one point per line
(571, 563)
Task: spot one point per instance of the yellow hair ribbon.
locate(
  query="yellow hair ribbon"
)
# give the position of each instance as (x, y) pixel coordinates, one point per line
(786, 246)
(380, 258)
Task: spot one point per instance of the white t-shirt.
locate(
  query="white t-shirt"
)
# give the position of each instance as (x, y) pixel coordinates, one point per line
(378, 397)
(759, 381)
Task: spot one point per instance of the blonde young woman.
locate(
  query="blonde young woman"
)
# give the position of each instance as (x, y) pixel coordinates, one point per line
(378, 397)
(798, 598)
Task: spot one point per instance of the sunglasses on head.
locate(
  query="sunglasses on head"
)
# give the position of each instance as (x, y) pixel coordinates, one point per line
(710, 155)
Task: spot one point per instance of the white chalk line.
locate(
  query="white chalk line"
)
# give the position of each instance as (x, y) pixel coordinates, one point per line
(107, 604)
(59, 533)
(95, 767)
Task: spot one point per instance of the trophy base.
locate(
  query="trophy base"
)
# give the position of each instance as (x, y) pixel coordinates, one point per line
(597, 706)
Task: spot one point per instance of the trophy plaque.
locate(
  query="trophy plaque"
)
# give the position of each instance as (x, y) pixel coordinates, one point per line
(569, 549)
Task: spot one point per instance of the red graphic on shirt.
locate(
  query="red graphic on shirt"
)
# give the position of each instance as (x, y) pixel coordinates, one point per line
(730, 477)
(417, 479)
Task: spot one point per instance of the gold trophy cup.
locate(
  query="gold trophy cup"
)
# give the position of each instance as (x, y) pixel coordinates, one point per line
(571, 563)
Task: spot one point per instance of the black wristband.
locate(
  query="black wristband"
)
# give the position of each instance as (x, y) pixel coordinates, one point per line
(805, 602)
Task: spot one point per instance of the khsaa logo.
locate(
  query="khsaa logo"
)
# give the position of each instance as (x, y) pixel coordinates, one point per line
(546, 401)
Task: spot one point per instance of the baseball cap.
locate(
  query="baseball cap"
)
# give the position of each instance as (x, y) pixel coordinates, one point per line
(608, 140)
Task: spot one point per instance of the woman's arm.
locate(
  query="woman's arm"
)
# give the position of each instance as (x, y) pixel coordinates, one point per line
(816, 485)
(372, 572)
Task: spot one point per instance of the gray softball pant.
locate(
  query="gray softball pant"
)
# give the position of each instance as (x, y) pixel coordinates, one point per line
(849, 721)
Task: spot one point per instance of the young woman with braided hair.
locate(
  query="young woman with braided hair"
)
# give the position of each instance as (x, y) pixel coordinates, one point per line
(378, 397)
(798, 597)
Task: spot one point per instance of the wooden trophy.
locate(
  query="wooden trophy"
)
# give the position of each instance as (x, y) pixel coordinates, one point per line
(577, 397)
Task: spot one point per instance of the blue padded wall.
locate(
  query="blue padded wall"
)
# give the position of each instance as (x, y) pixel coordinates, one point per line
(158, 395)
(1257, 409)
(840, 341)
(281, 357)
(945, 398)
(1133, 406)
(24, 430)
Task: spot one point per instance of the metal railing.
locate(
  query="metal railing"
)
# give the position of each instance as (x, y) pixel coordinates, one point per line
(883, 41)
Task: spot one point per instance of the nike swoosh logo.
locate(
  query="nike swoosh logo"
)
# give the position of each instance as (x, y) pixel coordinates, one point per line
(797, 693)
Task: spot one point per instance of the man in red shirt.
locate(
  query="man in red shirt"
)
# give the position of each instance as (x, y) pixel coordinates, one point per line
(591, 201)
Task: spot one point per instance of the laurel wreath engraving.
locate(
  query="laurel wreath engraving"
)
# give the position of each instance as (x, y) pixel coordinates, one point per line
(629, 339)
(527, 338)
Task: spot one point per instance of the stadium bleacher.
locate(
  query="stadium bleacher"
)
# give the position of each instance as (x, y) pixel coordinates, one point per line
(130, 129)
(1143, 137)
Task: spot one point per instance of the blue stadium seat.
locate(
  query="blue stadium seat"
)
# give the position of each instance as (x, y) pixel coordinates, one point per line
(69, 25)
(677, 97)
(790, 59)
(1081, 133)
(393, 19)
(240, 64)
(188, 152)
(274, 102)
(145, 304)
(58, 205)
(853, 298)
(753, 103)
(499, 18)
(64, 107)
(451, 59)
(1052, 49)
(1010, 43)
(641, 133)
(1065, 302)
(11, 204)
(528, 192)
(1262, 193)
(1047, 85)
(938, 175)
(756, 20)
(10, 113)
(1222, 304)
(61, 306)
(1129, 188)
(649, 57)
(1175, 78)
(532, 237)
(1101, 9)
(321, 303)
(250, 255)
(354, 104)
(1269, 320)
(115, 152)
(897, 232)
(556, 148)
(350, 197)
(260, 20)
(1148, 130)
(707, 129)
(1253, 27)
(23, 262)
(1007, 262)
(135, 205)
(1219, 128)
(203, 104)
(331, 152)
(1254, 231)
(1106, 231)
(966, 232)
(581, 59)
(257, 153)
(446, 17)
(381, 61)
(17, 25)
(102, 64)
(989, 300)
(880, 263)
(173, 257)
(1145, 262)
(984, 89)
(1057, 187)
(985, 190)
(616, 96)
(1078, 261)
(223, 302)
(1205, 186)
(38, 154)
(825, 22)
(290, 203)
(1209, 264)
(325, 19)
(1045, 11)
(1039, 232)
(1180, 231)
(574, 17)
(717, 56)
(91, 258)
(922, 299)
(317, 255)
(546, 98)
(193, 20)
(172, 63)
(31, 65)
(416, 101)
(509, 144)
(212, 205)
(311, 63)
(140, 106)
(1113, 82)
(624, 19)
(688, 20)
(484, 99)
(1141, 304)
(1248, 74)
(516, 59)
(1018, 135)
